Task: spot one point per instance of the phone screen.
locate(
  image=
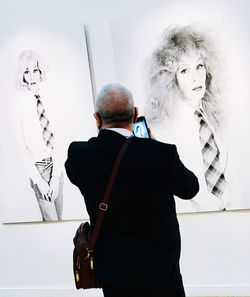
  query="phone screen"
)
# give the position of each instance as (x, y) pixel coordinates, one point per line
(140, 128)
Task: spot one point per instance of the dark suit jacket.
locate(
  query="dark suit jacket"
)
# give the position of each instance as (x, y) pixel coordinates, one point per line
(139, 243)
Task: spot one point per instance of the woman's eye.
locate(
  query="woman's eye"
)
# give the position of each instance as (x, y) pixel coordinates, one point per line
(35, 70)
(200, 66)
(26, 72)
(183, 71)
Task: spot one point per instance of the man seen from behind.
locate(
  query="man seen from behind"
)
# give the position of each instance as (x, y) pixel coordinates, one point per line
(138, 249)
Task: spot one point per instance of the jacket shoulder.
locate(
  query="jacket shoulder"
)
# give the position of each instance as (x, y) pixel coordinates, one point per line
(155, 144)
(76, 146)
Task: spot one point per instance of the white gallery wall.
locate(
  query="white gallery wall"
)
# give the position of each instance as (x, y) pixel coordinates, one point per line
(36, 258)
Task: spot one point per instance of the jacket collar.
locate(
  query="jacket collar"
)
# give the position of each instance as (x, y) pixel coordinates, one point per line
(125, 132)
(111, 136)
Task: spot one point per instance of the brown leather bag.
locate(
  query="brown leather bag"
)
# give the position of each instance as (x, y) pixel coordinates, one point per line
(83, 271)
(83, 258)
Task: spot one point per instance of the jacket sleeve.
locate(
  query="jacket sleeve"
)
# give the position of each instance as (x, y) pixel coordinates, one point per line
(72, 163)
(185, 183)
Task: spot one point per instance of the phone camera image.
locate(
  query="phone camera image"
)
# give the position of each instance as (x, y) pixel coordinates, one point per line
(140, 129)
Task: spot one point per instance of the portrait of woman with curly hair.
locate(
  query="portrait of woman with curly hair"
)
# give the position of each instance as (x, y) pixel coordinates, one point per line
(186, 105)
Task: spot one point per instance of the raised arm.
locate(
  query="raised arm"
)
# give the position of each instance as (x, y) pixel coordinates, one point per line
(72, 163)
(185, 183)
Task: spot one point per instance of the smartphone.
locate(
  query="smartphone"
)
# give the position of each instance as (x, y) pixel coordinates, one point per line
(140, 128)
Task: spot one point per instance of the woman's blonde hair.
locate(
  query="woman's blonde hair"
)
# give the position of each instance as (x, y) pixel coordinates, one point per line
(23, 62)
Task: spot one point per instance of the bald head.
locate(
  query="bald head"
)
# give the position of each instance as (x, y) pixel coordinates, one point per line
(115, 104)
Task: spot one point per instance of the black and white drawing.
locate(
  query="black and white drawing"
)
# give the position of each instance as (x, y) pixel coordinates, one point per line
(37, 136)
(188, 77)
(186, 106)
(48, 104)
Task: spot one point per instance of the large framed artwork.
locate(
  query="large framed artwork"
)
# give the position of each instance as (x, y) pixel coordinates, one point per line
(187, 67)
(47, 102)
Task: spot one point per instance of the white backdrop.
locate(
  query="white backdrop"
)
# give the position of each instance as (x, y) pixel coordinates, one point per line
(36, 258)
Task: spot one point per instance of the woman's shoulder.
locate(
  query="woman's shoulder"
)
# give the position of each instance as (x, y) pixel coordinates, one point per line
(16, 104)
(162, 132)
(20, 103)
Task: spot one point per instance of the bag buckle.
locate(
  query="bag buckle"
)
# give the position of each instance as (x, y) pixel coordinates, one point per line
(103, 206)
(90, 258)
(89, 252)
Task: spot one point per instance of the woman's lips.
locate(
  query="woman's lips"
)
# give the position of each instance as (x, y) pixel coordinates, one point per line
(197, 88)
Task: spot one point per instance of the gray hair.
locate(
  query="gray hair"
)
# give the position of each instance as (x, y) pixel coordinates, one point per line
(115, 103)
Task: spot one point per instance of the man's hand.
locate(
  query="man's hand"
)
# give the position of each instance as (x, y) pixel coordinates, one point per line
(43, 187)
(151, 136)
(53, 188)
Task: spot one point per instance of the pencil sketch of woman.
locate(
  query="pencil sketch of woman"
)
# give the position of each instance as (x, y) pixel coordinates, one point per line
(186, 106)
(37, 137)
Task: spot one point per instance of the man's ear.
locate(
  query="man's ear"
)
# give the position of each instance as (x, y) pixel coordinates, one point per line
(98, 120)
(136, 114)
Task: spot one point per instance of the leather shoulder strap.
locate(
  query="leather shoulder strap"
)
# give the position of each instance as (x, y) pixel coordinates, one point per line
(104, 205)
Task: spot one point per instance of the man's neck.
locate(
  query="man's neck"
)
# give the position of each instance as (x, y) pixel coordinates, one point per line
(118, 125)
